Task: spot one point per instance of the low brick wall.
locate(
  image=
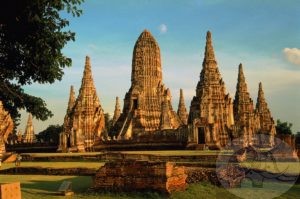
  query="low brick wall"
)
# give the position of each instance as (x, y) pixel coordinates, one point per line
(131, 175)
(49, 171)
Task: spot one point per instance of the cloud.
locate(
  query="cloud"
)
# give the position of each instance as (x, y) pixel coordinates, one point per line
(163, 28)
(292, 55)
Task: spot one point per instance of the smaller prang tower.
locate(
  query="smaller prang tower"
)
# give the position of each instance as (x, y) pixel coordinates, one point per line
(29, 136)
(117, 111)
(84, 122)
(267, 124)
(246, 122)
(181, 111)
(211, 110)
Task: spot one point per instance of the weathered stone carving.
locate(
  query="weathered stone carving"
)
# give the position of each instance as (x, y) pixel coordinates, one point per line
(211, 110)
(246, 122)
(267, 124)
(6, 127)
(29, 136)
(84, 122)
(117, 111)
(181, 111)
(147, 104)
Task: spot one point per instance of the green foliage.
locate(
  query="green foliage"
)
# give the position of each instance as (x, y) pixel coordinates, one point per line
(32, 35)
(108, 123)
(284, 128)
(50, 134)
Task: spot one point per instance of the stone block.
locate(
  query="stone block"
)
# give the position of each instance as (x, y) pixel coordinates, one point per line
(10, 191)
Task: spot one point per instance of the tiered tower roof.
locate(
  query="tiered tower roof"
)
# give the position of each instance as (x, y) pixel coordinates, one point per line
(181, 111)
(147, 104)
(29, 136)
(211, 104)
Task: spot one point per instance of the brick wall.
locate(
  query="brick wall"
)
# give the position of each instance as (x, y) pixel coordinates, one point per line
(131, 175)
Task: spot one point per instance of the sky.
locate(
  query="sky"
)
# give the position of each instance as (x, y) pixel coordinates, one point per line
(263, 35)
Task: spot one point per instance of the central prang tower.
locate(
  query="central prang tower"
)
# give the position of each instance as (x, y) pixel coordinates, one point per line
(147, 104)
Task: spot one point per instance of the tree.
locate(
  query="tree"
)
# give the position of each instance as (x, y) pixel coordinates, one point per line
(32, 35)
(284, 128)
(108, 123)
(50, 134)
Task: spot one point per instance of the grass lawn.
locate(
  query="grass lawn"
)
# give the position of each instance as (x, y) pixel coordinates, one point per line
(42, 186)
(174, 152)
(90, 165)
(61, 154)
(162, 152)
(275, 167)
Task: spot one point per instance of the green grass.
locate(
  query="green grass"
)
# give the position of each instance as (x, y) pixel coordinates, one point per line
(275, 167)
(61, 154)
(174, 152)
(162, 152)
(90, 165)
(42, 186)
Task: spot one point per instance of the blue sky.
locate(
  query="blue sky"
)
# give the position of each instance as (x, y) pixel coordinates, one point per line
(264, 35)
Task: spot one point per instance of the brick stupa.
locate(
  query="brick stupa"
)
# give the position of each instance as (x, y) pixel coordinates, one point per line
(117, 111)
(267, 124)
(211, 110)
(181, 111)
(84, 122)
(244, 116)
(29, 136)
(147, 104)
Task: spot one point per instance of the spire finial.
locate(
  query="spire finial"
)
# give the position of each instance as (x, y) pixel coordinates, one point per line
(208, 36)
(87, 61)
(241, 76)
(209, 54)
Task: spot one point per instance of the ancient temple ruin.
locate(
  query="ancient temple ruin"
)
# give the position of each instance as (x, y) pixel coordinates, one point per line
(29, 136)
(181, 111)
(147, 104)
(214, 120)
(84, 122)
(246, 121)
(117, 111)
(266, 122)
(211, 110)
(6, 127)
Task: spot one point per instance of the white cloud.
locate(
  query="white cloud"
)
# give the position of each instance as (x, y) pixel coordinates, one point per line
(163, 28)
(292, 55)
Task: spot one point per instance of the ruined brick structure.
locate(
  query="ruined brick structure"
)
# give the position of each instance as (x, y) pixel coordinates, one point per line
(132, 175)
(213, 122)
(181, 111)
(266, 122)
(246, 121)
(29, 136)
(6, 127)
(84, 122)
(211, 110)
(117, 111)
(147, 104)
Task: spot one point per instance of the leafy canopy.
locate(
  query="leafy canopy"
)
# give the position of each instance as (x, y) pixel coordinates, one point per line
(32, 35)
(284, 128)
(50, 134)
